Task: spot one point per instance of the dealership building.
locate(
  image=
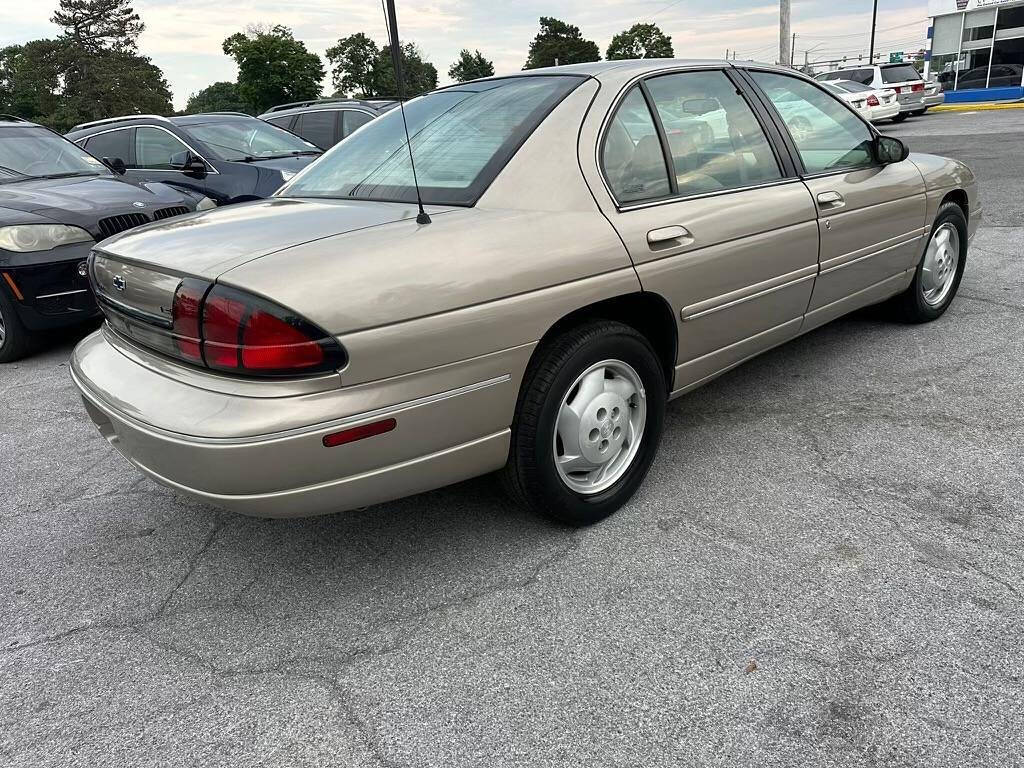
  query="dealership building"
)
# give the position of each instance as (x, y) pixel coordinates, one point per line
(977, 48)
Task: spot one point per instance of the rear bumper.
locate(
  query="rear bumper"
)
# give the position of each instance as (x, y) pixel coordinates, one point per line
(934, 101)
(916, 105)
(439, 439)
(884, 112)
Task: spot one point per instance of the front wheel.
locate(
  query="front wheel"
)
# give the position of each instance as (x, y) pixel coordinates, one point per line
(588, 423)
(940, 270)
(15, 339)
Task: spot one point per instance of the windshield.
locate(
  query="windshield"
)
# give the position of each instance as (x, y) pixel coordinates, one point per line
(461, 138)
(249, 140)
(899, 74)
(34, 152)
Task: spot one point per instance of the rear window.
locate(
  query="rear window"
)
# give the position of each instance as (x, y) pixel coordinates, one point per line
(461, 139)
(899, 74)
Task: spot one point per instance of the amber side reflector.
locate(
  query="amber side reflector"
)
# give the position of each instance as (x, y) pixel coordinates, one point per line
(359, 433)
(14, 287)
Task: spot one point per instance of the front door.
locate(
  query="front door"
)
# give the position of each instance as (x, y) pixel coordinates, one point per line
(714, 220)
(156, 151)
(871, 216)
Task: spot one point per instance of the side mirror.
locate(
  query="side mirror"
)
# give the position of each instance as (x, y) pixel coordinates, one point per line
(115, 164)
(189, 164)
(890, 150)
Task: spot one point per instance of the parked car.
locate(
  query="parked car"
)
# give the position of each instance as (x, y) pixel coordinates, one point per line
(56, 201)
(227, 156)
(871, 104)
(933, 96)
(325, 122)
(904, 79)
(330, 347)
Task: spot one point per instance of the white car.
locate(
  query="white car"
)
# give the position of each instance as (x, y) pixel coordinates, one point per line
(873, 104)
(901, 78)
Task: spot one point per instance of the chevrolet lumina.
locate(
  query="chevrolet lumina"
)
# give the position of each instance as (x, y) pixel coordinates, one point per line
(589, 255)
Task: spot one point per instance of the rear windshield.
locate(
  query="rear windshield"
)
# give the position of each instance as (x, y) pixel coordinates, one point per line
(899, 74)
(461, 139)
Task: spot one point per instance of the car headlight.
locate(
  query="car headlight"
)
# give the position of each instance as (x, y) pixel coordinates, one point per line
(24, 238)
(285, 175)
(206, 204)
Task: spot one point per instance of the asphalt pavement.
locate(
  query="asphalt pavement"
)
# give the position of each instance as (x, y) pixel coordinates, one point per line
(823, 569)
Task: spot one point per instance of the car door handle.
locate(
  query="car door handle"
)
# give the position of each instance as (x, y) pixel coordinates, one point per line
(667, 234)
(831, 200)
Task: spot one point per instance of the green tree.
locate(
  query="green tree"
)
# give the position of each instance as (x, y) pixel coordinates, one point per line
(561, 42)
(352, 61)
(219, 97)
(111, 83)
(274, 67)
(470, 66)
(93, 25)
(30, 79)
(641, 41)
(420, 76)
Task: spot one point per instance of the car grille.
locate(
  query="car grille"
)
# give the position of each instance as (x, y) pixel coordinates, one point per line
(166, 213)
(113, 224)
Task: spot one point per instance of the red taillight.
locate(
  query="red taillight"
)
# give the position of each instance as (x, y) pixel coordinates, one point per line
(872, 100)
(918, 87)
(230, 330)
(897, 89)
(186, 314)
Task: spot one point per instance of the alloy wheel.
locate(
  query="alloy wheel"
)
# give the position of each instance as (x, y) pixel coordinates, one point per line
(600, 426)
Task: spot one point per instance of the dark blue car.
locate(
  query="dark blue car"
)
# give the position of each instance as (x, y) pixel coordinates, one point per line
(56, 202)
(226, 156)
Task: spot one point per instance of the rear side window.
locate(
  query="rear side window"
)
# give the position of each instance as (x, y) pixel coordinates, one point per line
(715, 141)
(633, 161)
(318, 127)
(353, 119)
(899, 74)
(111, 145)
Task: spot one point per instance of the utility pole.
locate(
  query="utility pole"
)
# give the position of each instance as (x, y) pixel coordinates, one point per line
(785, 52)
(874, 19)
(792, 50)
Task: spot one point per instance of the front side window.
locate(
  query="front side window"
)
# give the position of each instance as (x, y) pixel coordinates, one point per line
(154, 148)
(461, 139)
(715, 141)
(249, 139)
(352, 120)
(828, 136)
(29, 151)
(631, 156)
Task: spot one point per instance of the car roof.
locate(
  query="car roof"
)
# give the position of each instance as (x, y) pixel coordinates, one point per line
(210, 117)
(298, 107)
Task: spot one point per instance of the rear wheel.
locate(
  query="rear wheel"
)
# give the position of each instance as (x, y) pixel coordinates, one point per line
(919, 112)
(901, 117)
(940, 270)
(15, 340)
(588, 423)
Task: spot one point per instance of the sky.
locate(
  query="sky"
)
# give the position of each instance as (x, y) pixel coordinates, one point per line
(183, 37)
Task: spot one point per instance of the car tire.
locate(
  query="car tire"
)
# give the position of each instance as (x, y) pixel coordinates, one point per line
(15, 339)
(919, 112)
(901, 117)
(936, 280)
(608, 374)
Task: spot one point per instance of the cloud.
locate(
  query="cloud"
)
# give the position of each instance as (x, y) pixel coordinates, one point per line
(184, 37)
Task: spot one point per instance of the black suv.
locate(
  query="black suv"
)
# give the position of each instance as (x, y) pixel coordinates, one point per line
(56, 201)
(325, 122)
(227, 156)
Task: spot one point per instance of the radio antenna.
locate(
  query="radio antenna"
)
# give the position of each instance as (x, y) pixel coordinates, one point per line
(396, 60)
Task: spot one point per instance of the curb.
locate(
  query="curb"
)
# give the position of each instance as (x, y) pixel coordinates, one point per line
(968, 107)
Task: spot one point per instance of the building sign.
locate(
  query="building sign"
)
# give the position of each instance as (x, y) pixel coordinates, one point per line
(942, 7)
(896, 57)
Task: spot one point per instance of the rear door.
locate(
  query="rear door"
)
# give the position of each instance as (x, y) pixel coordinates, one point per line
(871, 216)
(715, 220)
